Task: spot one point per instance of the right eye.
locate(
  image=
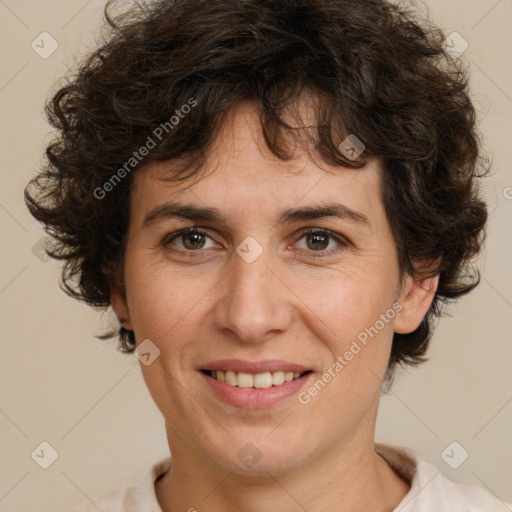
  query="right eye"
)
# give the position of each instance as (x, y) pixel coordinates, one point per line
(192, 240)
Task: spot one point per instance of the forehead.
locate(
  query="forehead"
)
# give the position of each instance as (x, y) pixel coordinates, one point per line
(244, 181)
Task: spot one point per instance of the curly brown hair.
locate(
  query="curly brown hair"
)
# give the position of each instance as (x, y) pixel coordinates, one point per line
(379, 70)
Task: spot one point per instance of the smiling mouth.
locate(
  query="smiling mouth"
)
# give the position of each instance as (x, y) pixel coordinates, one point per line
(258, 381)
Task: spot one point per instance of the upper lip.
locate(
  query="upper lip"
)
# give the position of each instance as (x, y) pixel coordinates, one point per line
(267, 365)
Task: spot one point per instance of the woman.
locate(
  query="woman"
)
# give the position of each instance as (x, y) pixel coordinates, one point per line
(276, 198)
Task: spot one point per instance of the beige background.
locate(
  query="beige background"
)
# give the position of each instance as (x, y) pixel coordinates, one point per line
(60, 385)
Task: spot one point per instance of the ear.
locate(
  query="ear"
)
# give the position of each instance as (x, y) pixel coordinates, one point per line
(119, 305)
(415, 298)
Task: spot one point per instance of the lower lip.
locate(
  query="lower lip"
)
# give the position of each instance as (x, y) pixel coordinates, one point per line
(254, 398)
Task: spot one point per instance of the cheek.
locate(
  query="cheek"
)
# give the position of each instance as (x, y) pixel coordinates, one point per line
(352, 321)
(161, 300)
(341, 307)
(336, 305)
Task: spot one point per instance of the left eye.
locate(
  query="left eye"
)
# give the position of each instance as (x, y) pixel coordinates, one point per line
(319, 238)
(193, 240)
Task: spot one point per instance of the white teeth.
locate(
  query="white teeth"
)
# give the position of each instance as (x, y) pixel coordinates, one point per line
(277, 378)
(263, 380)
(249, 380)
(245, 380)
(230, 378)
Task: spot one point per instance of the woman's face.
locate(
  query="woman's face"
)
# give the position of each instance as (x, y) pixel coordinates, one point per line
(257, 290)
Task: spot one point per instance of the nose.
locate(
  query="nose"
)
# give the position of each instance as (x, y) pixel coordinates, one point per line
(255, 302)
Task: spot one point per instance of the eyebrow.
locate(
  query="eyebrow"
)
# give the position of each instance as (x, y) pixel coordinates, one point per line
(198, 213)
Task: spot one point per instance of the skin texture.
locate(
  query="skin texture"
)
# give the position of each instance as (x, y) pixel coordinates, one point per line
(287, 305)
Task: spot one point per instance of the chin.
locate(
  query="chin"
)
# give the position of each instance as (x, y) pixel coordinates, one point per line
(258, 457)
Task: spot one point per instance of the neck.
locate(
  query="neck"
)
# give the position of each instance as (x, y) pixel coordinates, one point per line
(347, 478)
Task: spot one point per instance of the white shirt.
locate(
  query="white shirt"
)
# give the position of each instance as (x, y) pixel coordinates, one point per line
(430, 491)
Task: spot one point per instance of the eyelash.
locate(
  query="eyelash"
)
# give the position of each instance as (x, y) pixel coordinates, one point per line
(166, 242)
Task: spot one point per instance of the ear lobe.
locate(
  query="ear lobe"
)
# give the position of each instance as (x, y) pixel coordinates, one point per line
(416, 298)
(120, 307)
